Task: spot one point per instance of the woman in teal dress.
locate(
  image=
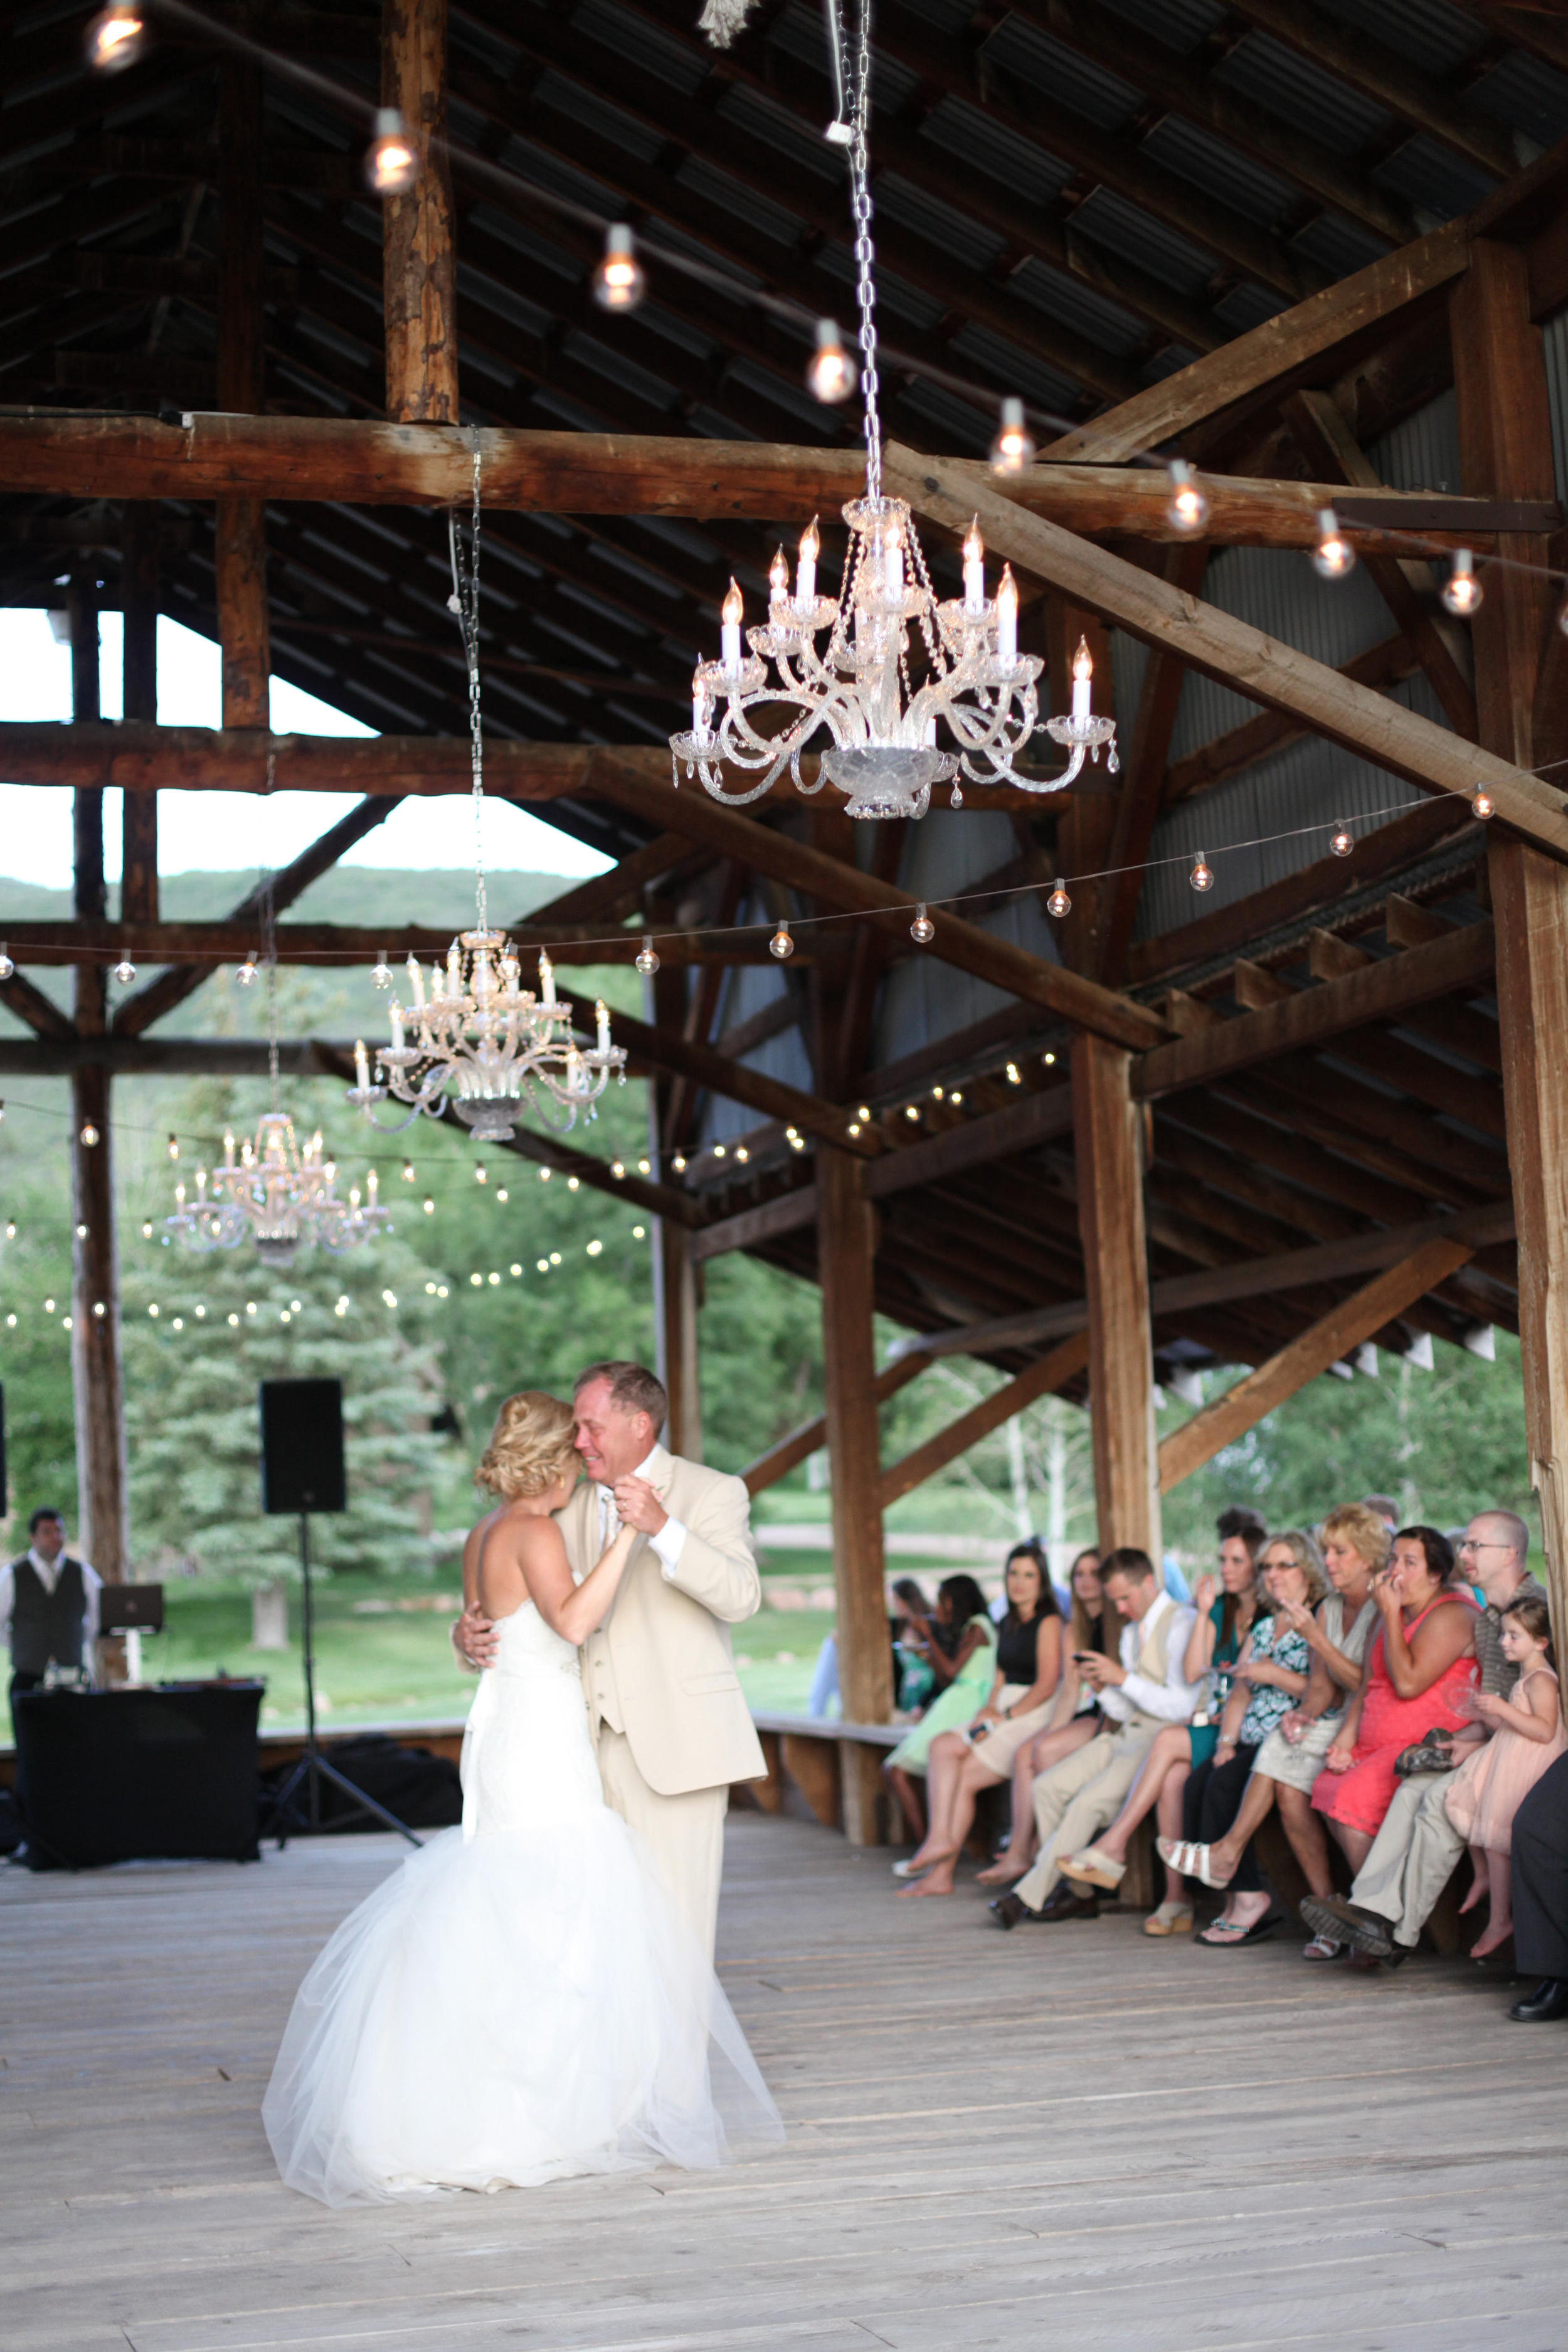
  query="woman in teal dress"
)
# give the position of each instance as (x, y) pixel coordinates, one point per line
(963, 1683)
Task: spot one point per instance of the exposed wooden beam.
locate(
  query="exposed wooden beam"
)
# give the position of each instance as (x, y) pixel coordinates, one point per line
(139, 603)
(418, 252)
(1217, 1425)
(230, 939)
(1237, 655)
(242, 606)
(834, 884)
(361, 461)
(1109, 1159)
(1311, 1018)
(786, 1212)
(790, 1451)
(1045, 1378)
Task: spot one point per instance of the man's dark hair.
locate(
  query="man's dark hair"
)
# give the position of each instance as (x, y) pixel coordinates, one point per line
(1241, 1519)
(632, 1386)
(44, 1512)
(1127, 1560)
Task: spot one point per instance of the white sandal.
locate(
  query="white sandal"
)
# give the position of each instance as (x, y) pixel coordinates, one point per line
(1177, 1855)
(1095, 1869)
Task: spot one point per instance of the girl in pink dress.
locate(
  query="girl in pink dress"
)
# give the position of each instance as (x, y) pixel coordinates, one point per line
(1527, 1735)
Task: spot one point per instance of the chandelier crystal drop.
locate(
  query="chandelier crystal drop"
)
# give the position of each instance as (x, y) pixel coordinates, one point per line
(897, 688)
(477, 1038)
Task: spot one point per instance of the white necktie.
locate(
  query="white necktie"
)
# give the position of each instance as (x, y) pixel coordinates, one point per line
(609, 1519)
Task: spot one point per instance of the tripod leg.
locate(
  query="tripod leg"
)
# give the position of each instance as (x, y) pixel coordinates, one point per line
(368, 1804)
(283, 1803)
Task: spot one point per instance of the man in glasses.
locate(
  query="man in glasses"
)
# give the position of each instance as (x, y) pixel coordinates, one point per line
(1413, 1854)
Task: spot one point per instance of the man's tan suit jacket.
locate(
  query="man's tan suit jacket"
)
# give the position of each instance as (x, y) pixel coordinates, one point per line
(661, 1667)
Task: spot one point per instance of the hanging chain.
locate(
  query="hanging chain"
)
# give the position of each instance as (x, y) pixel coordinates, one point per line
(865, 253)
(464, 601)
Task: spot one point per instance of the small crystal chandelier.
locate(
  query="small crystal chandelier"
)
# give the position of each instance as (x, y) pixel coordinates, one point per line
(478, 1040)
(278, 1193)
(882, 751)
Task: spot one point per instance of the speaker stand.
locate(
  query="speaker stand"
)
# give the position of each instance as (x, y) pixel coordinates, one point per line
(313, 1768)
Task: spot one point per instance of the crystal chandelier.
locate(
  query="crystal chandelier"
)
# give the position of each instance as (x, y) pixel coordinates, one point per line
(877, 728)
(278, 1193)
(480, 1040)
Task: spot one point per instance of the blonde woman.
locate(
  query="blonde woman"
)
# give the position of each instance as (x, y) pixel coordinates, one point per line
(538, 1935)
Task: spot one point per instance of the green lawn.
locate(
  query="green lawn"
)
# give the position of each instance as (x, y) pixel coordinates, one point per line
(383, 1655)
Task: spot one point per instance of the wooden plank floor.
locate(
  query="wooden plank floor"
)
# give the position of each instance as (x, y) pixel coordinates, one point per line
(1071, 2135)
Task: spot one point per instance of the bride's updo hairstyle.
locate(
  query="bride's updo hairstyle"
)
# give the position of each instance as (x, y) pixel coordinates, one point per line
(531, 1446)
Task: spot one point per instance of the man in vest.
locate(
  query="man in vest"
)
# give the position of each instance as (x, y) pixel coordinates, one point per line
(48, 1606)
(1076, 1798)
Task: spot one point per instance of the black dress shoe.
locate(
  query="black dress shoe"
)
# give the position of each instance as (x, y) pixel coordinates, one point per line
(1064, 1902)
(1549, 2000)
(1010, 1910)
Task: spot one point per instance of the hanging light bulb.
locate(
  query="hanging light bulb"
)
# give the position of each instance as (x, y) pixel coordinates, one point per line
(831, 375)
(922, 929)
(173, 1147)
(1013, 450)
(428, 1205)
(1201, 875)
(780, 944)
(408, 1172)
(1462, 593)
(125, 971)
(246, 972)
(1342, 841)
(88, 1136)
(1333, 556)
(619, 282)
(1189, 509)
(1058, 903)
(392, 163)
(6, 966)
(1481, 804)
(648, 958)
(380, 973)
(116, 38)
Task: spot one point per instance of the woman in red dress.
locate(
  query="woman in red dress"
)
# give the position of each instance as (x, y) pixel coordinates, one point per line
(1419, 1670)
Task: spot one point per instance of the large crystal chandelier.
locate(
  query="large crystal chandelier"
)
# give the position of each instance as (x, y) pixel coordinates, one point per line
(876, 727)
(276, 1192)
(479, 1039)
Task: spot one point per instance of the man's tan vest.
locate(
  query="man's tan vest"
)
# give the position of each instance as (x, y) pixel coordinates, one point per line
(1154, 1657)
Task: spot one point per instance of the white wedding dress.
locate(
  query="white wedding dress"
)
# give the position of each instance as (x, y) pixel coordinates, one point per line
(520, 2000)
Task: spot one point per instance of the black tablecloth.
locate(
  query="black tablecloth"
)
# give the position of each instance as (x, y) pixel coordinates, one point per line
(131, 1775)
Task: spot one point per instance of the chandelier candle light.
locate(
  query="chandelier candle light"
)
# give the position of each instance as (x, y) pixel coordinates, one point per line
(878, 729)
(479, 1039)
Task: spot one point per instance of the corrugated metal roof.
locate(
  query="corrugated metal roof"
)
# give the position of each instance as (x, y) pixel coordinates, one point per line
(922, 999)
(1073, 304)
(1034, 378)
(636, 41)
(1178, 25)
(1339, 246)
(1429, 32)
(1120, 227)
(1426, 173)
(1247, 185)
(1071, 80)
(1302, 93)
(1422, 452)
(973, 245)
(1528, 95)
(982, 144)
(803, 148)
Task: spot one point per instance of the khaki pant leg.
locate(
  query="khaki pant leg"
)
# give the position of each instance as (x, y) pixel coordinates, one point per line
(685, 1834)
(1096, 1807)
(1053, 1793)
(1380, 1882)
(1436, 1846)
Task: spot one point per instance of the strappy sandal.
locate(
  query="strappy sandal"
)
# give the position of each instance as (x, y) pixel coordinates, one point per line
(1177, 1855)
(1322, 1947)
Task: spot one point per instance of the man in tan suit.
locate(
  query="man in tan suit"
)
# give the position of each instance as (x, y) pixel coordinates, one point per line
(670, 1724)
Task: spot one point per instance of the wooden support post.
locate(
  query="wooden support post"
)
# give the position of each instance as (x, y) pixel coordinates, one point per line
(1324, 1343)
(845, 1250)
(1505, 442)
(1107, 1130)
(139, 603)
(418, 254)
(242, 612)
(675, 1305)
(1505, 449)
(97, 1388)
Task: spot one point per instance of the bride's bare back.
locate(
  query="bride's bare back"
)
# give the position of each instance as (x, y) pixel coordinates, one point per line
(517, 1554)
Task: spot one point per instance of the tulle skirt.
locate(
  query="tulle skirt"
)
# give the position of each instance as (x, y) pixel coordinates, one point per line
(510, 2009)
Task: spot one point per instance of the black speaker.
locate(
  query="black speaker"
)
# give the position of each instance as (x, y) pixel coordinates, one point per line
(302, 1446)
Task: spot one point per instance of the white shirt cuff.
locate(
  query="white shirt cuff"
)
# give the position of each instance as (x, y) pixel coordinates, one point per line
(668, 1544)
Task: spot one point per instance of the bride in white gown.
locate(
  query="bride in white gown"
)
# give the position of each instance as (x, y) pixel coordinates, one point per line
(520, 2000)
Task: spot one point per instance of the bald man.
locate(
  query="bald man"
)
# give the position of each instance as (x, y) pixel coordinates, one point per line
(1413, 1854)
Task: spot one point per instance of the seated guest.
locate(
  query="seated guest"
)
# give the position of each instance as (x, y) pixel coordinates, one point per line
(48, 1606)
(1416, 1850)
(1272, 1679)
(1527, 1735)
(1074, 1718)
(913, 1679)
(1222, 1621)
(963, 1763)
(1540, 1898)
(964, 1678)
(1419, 1670)
(1142, 1689)
(1291, 1756)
